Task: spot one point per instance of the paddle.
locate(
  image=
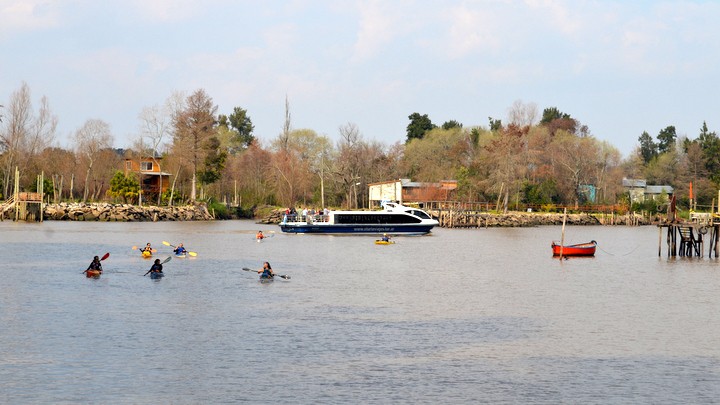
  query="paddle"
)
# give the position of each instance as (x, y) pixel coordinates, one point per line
(105, 256)
(283, 276)
(163, 262)
(152, 250)
(166, 243)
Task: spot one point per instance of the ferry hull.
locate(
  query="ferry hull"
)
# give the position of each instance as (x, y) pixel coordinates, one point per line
(419, 229)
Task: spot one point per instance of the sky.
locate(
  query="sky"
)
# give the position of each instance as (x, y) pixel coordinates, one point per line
(619, 67)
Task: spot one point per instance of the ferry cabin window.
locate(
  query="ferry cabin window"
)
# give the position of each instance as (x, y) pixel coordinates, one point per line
(375, 219)
(421, 214)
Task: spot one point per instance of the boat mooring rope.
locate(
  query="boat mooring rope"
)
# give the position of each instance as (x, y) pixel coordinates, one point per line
(630, 252)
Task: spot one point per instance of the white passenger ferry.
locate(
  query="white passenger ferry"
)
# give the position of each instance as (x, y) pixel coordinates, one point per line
(393, 218)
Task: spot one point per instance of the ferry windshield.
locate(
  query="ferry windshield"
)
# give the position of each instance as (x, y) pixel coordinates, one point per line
(421, 214)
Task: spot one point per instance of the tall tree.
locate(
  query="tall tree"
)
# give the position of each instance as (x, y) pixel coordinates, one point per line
(214, 161)
(418, 126)
(576, 160)
(495, 124)
(291, 173)
(242, 129)
(451, 124)
(194, 126)
(438, 156)
(90, 140)
(710, 145)
(666, 139)
(556, 120)
(648, 148)
(506, 162)
(350, 162)
(551, 114)
(23, 134)
(521, 114)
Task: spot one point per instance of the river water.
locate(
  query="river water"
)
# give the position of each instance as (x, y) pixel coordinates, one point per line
(457, 316)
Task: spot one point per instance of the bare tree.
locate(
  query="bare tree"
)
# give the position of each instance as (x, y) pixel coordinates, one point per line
(284, 137)
(156, 126)
(24, 135)
(522, 115)
(90, 140)
(349, 163)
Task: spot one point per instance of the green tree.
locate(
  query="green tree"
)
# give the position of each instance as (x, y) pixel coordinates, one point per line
(418, 126)
(451, 124)
(495, 125)
(666, 139)
(551, 114)
(648, 148)
(213, 163)
(124, 187)
(710, 145)
(556, 120)
(240, 129)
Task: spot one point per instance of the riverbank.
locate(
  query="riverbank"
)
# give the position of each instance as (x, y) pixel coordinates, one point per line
(121, 212)
(467, 219)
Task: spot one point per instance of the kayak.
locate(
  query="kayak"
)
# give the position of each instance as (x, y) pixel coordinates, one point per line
(181, 256)
(155, 276)
(384, 242)
(266, 279)
(146, 254)
(93, 273)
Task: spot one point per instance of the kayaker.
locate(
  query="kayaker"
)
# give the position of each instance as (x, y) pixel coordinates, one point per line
(147, 248)
(180, 250)
(385, 238)
(259, 235)
(95, 265)
(266, 271)
(156, 268)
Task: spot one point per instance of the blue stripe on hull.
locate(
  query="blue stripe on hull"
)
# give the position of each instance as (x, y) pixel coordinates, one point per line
(357, 229)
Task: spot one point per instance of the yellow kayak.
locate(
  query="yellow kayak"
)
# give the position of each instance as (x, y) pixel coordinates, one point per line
(384, 242)
(146, 254)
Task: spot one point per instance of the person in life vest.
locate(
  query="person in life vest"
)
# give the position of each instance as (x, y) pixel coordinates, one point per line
(95, 265)
(156, 268)
(266, 271)
(259, 235)
(385, 238)
(180, 250)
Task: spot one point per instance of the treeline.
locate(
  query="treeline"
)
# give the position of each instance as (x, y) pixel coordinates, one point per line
(529, 159)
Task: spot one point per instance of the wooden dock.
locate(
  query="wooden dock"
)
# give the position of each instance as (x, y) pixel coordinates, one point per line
(27, 206)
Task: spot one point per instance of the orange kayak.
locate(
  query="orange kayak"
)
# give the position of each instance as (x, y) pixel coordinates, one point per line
(93, 273)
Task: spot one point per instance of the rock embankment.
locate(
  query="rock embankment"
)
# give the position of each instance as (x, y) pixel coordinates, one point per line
(455, 219)
(124, 212)
(274, 217)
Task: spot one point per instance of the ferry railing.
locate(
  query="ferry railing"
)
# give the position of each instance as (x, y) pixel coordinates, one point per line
(310, 219)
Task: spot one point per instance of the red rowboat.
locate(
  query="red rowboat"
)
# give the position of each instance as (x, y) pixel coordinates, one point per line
(581, 249)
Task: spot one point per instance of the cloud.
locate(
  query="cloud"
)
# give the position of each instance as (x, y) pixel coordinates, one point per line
(471, 31)
(379, 23)
(26, 15)
(171, 10)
